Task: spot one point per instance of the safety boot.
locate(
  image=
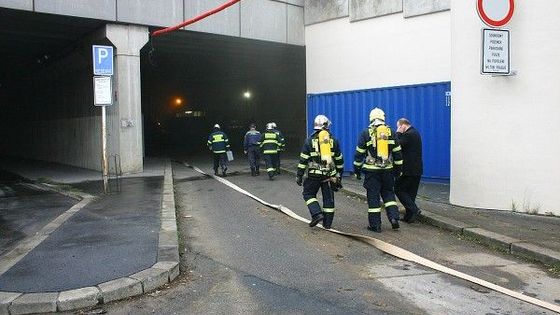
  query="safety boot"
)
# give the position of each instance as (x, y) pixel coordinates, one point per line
(376, 229)
(253, 172)
(216, 172)
(327, 220)
(395, 224)
(224, 172)
(316, 219)
(257, 171)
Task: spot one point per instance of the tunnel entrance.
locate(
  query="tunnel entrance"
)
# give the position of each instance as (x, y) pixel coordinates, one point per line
(191, 81)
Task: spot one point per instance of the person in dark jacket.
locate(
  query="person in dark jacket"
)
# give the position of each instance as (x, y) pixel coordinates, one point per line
(406, 186)
(323, 160)
(378, 156)
(218, 143)
(251, 147)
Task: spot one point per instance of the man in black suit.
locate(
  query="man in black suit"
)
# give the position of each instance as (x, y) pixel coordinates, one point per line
(406, 186)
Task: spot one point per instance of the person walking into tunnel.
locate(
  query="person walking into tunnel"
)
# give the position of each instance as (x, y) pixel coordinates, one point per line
(251, 144)
(281, 147)
(218, 143)
(322, 159)
(378, 156)
(406, 186)
(270, 143)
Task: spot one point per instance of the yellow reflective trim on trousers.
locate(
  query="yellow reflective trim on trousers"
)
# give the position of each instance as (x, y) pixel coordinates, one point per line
(390, 203)
(216, 141)
(360, 150)
(374, 210)
(270, 141)
(310, 201)
(219, 151)
(397, 149)
(270, 151)
(302, 166)
(328, 210)
(399, 162)
(304, 156)
(271, 169)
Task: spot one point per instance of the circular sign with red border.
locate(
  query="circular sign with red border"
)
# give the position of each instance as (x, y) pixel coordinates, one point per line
(495, 13)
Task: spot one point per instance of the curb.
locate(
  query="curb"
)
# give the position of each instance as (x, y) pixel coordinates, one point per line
(504, 243)
(165, 270)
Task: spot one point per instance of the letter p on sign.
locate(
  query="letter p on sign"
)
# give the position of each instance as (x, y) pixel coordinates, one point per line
(102, 60)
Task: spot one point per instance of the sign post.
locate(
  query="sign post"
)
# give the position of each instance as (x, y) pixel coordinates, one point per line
(103, 96)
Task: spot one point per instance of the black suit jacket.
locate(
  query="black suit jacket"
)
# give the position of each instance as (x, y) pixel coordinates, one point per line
(411, 144)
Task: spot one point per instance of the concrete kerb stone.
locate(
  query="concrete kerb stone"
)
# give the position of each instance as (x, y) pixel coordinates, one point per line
(172, 267)
(539, 253)
(79, 298)
(444, 222)
(6, 298)
(151, 278)
(120, 289)
(490, 238)
(29, 303)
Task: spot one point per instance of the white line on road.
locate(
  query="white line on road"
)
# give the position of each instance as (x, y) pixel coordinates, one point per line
(395, 251)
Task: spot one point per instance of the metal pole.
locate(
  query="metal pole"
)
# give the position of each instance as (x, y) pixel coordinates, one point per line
(104, 149)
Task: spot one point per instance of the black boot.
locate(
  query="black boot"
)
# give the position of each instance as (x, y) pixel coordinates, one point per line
(328, 219)
(224, 172)
(253, 172)
(316, 219)
(216, 172)
(395, 224)
(257, 171)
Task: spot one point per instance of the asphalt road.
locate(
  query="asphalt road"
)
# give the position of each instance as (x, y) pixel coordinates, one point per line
(239, 257)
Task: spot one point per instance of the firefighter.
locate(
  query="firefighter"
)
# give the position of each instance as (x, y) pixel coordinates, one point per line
(251, 144)
(218, 143)
(323, 160)
(378, 156)
(281, 148)
(270, 143)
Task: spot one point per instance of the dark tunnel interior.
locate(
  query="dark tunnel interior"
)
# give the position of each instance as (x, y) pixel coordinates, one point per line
(191, 81)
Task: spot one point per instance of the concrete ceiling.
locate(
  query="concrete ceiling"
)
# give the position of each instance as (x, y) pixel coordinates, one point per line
(30, 41)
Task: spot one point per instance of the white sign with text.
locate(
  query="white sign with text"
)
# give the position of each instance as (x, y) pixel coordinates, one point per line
(495, 52)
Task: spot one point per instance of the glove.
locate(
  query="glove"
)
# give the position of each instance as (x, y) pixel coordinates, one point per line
(336, 183)
(397, 171)
(358, 172)
(299, 180)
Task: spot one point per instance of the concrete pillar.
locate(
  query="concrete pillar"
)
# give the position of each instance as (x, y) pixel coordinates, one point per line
(125, 117)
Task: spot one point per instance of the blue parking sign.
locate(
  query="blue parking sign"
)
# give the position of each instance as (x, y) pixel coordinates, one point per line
(102, 60)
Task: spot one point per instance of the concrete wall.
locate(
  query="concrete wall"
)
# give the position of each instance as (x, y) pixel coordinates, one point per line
(271, 20)
(53, 115)
(383, 51)
(504, 131)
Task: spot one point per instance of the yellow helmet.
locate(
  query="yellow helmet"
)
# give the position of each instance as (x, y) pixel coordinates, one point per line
(376, 113)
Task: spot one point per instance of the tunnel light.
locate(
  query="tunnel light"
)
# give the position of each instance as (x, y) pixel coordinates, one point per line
(178, 101)
(188, 112)
(247, 94)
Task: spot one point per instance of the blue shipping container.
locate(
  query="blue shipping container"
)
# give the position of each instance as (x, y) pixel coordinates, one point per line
(427, 106)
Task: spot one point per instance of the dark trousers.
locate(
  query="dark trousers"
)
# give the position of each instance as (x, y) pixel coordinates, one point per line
(220, 160)
(380, 184)
(271, 162)
(310, 188)
(253, 154)
(406, 188)
(277, 164)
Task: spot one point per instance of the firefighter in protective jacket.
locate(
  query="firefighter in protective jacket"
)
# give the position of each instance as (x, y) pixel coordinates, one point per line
(323, 160)
(218, 143)
(270, 144)
(378, 156)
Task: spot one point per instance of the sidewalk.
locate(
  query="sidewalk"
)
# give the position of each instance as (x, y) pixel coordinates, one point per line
(102, 247)
(531, 236)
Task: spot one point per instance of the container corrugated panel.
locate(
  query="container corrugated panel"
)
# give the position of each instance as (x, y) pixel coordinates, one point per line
(427, 106)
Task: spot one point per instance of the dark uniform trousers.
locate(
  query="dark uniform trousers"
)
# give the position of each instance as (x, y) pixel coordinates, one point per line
(271, 161)
(311, 186)
(380, 184)
(220, 160)
(253, 154)
(406, 188)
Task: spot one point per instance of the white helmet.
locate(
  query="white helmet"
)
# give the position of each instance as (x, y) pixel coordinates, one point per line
(321, 122)
(274, 125)
(217, 126)
(376, 113)
(269, 126)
